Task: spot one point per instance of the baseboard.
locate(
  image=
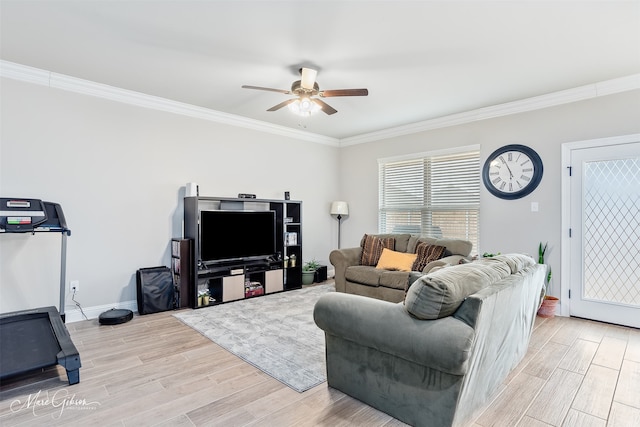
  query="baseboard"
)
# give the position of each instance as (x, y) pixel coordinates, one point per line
(75, 315)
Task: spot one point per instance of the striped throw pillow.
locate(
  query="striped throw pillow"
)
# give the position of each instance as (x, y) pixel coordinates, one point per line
(427, 253)
(372, 247)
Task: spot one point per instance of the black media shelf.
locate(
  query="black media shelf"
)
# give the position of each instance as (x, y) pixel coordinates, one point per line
(214, 283)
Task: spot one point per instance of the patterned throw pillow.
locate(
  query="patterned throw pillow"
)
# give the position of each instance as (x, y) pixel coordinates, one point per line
(427, 253)
(372, 249)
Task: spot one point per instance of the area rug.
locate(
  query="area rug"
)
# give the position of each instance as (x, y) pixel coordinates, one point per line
(275, 333)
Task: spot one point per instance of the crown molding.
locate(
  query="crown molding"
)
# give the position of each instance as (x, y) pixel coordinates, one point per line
(608, 87)
(86, 87)
(60, 81)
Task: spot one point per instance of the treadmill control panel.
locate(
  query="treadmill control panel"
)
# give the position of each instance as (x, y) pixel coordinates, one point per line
(30, 215)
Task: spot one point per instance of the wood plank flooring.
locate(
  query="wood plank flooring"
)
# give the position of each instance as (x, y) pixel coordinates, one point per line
(155, 371)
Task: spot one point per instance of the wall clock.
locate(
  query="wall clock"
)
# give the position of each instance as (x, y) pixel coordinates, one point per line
(512, 171)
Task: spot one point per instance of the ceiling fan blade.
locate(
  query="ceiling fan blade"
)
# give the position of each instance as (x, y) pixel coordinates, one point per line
(286, 92)
(328, 109)
(308, 78)
(282, 104)
(343, 92)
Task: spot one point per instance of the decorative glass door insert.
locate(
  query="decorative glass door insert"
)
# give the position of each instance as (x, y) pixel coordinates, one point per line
(605, 216)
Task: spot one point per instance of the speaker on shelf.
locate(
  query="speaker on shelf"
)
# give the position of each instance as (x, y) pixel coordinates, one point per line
(192, 190)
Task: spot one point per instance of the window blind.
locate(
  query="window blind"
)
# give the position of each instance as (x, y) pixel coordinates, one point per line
(431, 195)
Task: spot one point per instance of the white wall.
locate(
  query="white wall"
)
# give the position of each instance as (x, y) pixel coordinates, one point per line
(119, 172)
(505, 225)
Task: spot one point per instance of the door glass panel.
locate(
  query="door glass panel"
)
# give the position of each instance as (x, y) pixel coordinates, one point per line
(611, 233)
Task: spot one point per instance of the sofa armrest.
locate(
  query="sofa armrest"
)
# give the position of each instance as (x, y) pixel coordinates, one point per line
(341, 259)
(448, 260)
(443, 344)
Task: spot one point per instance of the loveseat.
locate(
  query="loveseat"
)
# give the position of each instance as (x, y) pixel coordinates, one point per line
(437, 357)
(352, 276)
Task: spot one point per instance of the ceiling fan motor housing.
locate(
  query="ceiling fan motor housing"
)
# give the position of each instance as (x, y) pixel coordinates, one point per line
(297, 89)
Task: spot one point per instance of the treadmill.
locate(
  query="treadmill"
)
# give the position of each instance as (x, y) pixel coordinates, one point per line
(36, 338)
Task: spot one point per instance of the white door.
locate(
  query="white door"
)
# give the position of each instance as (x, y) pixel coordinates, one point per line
(605, 233)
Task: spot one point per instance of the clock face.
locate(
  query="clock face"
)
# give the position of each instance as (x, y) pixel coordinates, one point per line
(512, 172)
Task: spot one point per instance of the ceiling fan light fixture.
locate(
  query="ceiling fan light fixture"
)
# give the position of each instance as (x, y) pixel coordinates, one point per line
(308, 78)
(304, 106)
(306, 89)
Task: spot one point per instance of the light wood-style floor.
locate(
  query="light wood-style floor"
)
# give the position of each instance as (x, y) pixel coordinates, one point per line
(155, 370)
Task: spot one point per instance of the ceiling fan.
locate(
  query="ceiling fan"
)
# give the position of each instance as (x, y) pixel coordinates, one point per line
(305, 91)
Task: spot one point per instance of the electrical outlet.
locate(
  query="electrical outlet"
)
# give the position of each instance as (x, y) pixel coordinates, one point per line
(74, 286)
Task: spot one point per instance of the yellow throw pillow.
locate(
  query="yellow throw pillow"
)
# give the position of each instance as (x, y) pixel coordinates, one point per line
(392, 260)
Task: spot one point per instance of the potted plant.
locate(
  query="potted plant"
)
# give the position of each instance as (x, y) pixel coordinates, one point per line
(548, 303)
(203, 297)
(490, 255)
(309, 271)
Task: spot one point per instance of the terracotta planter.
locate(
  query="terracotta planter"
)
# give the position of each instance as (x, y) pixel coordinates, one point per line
(548, 308)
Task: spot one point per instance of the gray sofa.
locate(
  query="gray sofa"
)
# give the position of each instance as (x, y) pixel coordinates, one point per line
(353, 278)
(436, 358)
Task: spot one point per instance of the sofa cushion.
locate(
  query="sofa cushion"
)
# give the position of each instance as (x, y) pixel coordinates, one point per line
(516, 262)
(455, 246)
(402, 240)
(425, 253)
(363, 275)
(393, 260)
(394, 279)
(439, 294)
(372, 247)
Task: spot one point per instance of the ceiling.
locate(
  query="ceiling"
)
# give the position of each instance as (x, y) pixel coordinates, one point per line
(420, 60)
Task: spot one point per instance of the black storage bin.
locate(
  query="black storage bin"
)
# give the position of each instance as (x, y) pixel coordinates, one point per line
(321, 274)
(156, 291)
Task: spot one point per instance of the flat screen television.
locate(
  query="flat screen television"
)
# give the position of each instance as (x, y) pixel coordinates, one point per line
(237, 235)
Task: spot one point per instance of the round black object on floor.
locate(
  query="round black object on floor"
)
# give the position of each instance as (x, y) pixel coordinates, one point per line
(115, 316)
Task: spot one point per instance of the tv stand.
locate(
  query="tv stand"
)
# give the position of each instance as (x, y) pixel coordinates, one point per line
(239, 281)
(227, 281)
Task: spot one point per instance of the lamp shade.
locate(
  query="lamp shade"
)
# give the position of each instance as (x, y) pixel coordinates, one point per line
(339, 208)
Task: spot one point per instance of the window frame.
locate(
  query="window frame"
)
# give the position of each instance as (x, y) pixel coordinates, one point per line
(418, 205)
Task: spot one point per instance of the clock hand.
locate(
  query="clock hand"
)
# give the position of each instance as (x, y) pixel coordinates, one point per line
(509, 169)
(504, 162)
